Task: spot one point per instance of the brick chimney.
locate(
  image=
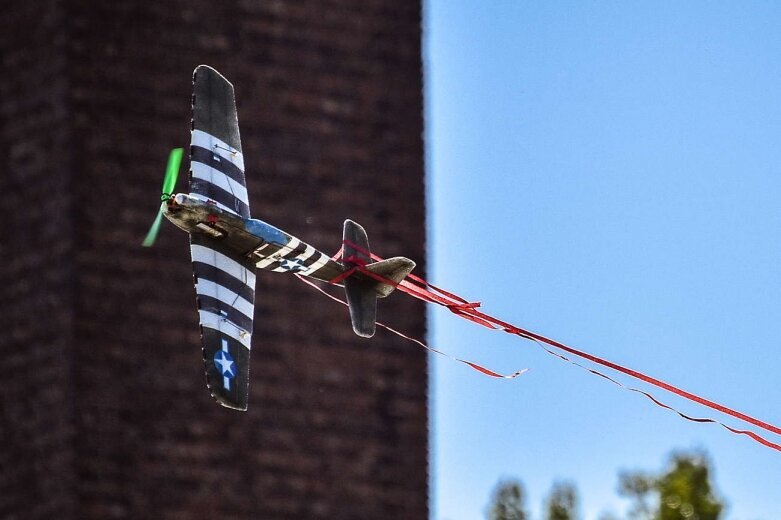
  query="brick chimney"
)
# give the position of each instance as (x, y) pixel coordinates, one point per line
(104, 410)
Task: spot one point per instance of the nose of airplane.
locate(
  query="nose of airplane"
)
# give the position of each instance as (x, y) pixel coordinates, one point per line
(171, 206)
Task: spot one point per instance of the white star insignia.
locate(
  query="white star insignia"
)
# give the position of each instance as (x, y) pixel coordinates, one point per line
(291, 265)
(226, 365)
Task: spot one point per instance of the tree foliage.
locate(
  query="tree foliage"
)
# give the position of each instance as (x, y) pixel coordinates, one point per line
(683, 492)
(562, 502)
(638, 487)
(507, 502)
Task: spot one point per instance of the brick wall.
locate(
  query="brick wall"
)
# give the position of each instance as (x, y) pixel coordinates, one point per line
(36, 433)
(112, 418)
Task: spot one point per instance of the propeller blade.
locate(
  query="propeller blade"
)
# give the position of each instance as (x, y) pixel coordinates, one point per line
(151, 236)
(172, 170)
(169, 183)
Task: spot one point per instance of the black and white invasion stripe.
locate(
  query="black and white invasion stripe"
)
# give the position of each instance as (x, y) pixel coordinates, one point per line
(293, 256)
(225, 288)
(217, 173)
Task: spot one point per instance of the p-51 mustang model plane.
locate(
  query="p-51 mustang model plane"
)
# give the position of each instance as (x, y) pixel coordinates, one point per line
(226, 244)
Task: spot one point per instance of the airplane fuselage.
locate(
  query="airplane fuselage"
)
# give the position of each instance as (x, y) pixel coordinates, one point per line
(269, 247)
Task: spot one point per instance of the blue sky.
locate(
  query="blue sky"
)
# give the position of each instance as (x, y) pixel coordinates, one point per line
(607, 174)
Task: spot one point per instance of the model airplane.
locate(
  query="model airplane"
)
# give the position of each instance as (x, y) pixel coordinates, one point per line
(226, 244)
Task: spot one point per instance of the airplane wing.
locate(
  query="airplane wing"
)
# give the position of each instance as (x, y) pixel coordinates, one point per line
(216, 161)
(225, 288)
(224, 279)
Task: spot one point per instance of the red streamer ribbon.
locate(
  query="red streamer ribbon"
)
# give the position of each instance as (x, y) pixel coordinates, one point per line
(422, 290)
(475, 366)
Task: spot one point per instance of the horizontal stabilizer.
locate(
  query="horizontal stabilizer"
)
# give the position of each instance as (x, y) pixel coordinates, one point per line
(362, 289)
(393, 269)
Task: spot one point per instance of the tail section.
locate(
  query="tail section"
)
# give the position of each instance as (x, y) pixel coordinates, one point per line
(363, 291)
(361, 299)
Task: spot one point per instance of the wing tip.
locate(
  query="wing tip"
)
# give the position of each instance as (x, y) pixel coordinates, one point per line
(232, 406)
(222, 400)
(209, 70)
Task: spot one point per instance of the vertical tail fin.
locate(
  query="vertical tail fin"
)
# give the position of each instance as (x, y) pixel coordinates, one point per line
(362, 299)
(362, 290)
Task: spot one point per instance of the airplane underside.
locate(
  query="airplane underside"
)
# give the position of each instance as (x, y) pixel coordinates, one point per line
(226, 246)
(268, 247)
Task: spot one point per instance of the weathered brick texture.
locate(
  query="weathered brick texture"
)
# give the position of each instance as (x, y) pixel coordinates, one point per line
(104, 411)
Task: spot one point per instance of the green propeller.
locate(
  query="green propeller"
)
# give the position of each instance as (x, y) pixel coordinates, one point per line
(171, 174)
